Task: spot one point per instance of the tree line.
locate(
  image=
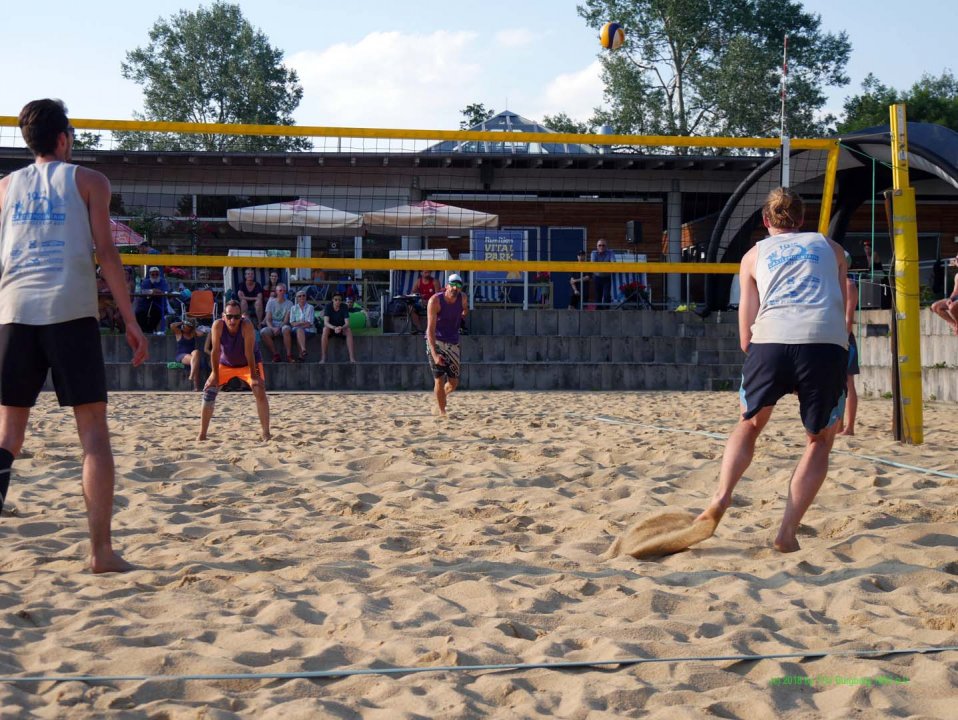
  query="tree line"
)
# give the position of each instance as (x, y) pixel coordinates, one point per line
(689, 67)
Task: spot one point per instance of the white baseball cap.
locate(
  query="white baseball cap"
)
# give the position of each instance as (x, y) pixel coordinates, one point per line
(454, 278)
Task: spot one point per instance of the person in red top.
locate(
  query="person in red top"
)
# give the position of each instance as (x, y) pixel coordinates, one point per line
(425, 287)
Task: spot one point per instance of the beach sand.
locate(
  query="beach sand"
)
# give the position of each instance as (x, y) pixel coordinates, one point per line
(370, 534)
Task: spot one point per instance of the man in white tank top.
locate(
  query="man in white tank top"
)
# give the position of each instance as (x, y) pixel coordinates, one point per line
(52, 216)
(792, 327)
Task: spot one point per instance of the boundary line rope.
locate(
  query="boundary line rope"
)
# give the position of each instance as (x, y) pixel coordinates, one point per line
(559, 665)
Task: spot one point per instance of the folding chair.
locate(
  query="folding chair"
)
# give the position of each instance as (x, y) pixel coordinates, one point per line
(202, 305)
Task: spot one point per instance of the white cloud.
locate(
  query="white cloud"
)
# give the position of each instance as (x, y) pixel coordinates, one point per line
(514, 38)
(389, 79)
(576, 94)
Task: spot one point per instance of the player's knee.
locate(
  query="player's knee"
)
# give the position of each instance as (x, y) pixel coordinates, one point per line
(209, 395)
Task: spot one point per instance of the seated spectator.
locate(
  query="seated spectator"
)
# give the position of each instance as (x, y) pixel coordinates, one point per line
(424, 288)
(188, 351)
(581, 283)
(151, 301)
(336, 324)
(269, 290)
(250, 295)
(947, 309)
(276, 322)
(301, 319)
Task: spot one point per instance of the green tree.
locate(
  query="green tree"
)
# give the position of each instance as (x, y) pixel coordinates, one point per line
(713, 67)
(86, 141)
(474, 114)
(931, 99)
(212, 66)
(561, 122)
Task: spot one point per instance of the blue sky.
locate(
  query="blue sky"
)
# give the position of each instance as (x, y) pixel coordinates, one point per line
(372, 63)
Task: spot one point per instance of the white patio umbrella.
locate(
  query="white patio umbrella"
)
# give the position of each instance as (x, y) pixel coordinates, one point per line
(298, 217)
(124, 235)
(426, 218)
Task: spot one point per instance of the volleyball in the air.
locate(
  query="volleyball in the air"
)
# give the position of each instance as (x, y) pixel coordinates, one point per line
(612, 36)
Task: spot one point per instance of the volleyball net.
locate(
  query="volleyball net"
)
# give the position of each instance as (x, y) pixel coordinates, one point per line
(515, 202)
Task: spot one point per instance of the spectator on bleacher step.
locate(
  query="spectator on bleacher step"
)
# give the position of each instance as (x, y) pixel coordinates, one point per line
(947, 309)
(188, 351)
(250, 293)
(269, 290)
(336, 324)
(276, 322)
(151, 300)
(301, 317)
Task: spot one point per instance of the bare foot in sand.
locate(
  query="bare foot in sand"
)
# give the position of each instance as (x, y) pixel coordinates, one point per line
(108, 562)
(714, 512)
(201, 436)
(787, 546)
(847, 431)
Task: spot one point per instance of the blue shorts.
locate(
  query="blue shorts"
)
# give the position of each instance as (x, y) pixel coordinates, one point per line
(816, 372)
(853, 368)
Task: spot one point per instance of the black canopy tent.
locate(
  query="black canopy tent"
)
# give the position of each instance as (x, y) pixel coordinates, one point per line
(863, 168)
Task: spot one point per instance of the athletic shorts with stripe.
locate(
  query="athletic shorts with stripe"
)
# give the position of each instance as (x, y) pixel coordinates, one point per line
(816, 372)
(451, 360)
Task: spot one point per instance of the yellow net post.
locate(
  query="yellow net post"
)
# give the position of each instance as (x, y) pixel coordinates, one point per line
(907, 310)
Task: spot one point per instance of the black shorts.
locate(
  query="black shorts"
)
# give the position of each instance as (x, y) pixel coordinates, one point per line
(853, 368)
(816, 372)
(71, 350)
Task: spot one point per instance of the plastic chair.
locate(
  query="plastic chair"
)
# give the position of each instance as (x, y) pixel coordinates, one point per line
(202, 305)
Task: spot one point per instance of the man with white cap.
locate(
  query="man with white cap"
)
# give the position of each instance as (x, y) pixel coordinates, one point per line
(151, 300)
(445, 313)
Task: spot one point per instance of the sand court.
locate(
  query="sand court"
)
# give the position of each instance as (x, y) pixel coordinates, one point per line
(370, 534)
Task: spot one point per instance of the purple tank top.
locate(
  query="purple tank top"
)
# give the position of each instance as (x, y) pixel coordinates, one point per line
(450, 316)
(233, 350)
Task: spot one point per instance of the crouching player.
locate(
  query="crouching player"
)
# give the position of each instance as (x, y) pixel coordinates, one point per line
(234, 354)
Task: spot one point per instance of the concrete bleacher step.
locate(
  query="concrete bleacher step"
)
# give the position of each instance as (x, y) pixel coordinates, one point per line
(612, 323)
(412, 348)
(385, 376)
(505, 349)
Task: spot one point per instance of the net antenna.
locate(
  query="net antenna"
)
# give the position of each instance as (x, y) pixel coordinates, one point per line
(782, 129)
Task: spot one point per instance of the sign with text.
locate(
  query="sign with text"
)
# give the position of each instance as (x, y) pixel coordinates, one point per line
(497, 245)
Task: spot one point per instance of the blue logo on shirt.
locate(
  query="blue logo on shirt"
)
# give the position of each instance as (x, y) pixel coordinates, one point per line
(789, 253)
(38, 209)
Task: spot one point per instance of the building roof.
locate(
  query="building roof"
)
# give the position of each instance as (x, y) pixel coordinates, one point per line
(510, 122)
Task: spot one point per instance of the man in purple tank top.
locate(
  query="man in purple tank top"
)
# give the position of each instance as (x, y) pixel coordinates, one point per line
(445, 313)
(234, 354)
